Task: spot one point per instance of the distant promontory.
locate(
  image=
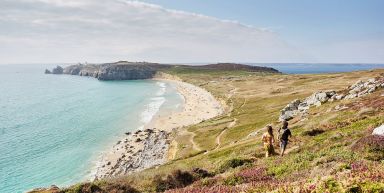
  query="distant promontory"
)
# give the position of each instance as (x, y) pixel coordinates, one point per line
(123, 70)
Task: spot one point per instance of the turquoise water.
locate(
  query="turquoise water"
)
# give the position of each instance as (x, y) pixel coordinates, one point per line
(54, 127)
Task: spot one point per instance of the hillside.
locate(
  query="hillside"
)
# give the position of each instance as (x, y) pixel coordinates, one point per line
(332, 149)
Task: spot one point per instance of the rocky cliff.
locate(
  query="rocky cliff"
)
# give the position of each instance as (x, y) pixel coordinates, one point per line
(111, 71)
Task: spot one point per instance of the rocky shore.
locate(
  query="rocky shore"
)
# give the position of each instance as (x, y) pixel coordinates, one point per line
(137, 151)
(147, 148)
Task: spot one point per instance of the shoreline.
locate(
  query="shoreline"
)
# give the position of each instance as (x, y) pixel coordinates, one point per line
(149, 147)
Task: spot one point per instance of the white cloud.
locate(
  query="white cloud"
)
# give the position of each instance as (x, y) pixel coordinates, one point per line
(110, 30)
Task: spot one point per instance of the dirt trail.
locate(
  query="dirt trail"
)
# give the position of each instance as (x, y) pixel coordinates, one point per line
(230, 125)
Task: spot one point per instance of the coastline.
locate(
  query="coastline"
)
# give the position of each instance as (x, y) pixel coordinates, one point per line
(150, 146)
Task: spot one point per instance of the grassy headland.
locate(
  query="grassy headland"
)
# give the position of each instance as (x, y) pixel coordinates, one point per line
(331, 151)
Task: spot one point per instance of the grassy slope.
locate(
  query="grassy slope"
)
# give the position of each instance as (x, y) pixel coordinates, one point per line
(254, 100)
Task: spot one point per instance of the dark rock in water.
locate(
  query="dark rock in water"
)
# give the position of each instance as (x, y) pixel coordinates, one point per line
(47, 71)
(57, 70)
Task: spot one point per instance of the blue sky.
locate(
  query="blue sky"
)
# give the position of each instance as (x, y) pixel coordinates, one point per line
(298, 21)
(323, 31)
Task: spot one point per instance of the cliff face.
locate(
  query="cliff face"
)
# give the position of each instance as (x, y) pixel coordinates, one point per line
(112, 71)
(125, 72)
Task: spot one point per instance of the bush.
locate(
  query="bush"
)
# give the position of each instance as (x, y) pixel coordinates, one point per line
(84, 188)
(201, 173)
(233, 163)
(178, 179)
(103, 188)
(119, 188)
(354, 189)
(313, 132)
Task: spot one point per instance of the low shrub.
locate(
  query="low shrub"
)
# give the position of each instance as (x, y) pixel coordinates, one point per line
(233, 180)
(233, 163)
(254, 175)
(84, 188)
(119, 188)
(102, 188)
(313, 132)
(372, 147)
(177, 179)
(201, 173)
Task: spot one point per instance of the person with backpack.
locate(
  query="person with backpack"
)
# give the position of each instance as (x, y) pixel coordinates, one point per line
(268, 140)
(285, 134)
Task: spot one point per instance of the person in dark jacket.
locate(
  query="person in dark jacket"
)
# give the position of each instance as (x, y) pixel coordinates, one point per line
(283, 137)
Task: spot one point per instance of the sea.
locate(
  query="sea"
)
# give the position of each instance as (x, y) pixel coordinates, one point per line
(54, 128)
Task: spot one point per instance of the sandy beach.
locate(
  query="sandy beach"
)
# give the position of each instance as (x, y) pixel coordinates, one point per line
(149, 147)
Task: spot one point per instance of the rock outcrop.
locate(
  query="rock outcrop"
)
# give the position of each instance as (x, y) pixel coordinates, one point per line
(379, 131)
(297, 107)
(359, 89)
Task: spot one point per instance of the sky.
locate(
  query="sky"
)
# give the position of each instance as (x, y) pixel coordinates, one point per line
(192, 31)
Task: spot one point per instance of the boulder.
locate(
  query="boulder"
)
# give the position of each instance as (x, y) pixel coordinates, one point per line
(350, 96)
(303, 107)
(379, 131)
(47, 71)
(359, 83)
(339, 96)
(289, 111)
(319, 97)
(288, 115)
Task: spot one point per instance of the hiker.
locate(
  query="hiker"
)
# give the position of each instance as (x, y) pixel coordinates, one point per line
(268, 140)
(285, 134)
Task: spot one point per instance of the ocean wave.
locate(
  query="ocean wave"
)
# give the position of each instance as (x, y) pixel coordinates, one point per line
(151, 109)
(162, 90)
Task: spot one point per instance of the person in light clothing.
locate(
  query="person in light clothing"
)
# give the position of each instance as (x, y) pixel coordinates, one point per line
(268, 140)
